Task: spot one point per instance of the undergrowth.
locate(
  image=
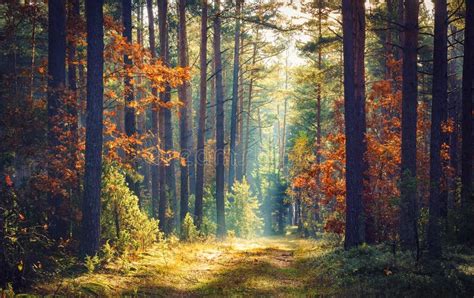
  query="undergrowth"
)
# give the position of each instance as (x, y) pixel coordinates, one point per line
(381, 271)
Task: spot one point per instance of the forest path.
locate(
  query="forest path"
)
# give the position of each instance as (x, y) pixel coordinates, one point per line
(258, 267)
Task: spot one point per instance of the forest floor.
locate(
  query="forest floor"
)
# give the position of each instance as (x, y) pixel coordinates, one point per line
(262, 266)
(282, 266)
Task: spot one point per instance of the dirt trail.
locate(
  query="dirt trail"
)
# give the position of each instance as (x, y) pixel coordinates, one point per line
(261, 267)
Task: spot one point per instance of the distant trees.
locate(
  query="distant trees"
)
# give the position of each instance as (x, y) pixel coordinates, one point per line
(94, 125)
(353, 16)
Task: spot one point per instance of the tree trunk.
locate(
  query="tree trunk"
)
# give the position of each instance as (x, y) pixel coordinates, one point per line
(142, 117)
(200, 154)
(235, 96)
(467, 97)
(211, 119)
(249, 106)
(155, 169)
(466, 127)
(56, 83)
(184, 93)
(220, 152)
(95, 97)
(353, 12)
(240, 123)
(129, 112)
(408, 188)
(169, 188)
(73, 17)
(438, 116)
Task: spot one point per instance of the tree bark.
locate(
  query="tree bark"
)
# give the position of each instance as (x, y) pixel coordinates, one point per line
(467, 97)
(56, 83)
(466, 126)
(235, 95)
(73, 17)
(155, 169)
(95, 97)
(200, 154)
(184, 93)
(129, 112)
(249, 106)
(408, 188)
(353, 12)
(438, 116)
(220, 203)
(169, 189)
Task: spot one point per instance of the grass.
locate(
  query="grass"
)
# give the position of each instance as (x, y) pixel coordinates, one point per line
(274, 266)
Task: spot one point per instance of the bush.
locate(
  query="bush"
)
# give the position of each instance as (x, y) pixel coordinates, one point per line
(242, 215)
(208, 227)
(122, 221)
(378, 271)
(188, 229)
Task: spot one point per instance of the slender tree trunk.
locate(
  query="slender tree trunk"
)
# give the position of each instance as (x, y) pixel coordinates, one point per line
(200, 154)
(353, 12)
(438, 115)
(184, 93)
(240, 122)
(90, 240)
(453, 115)
(164, 96)
(235, 96)
(169, 189)
(155, 169)
(408, 188)
(211, 119)
(142, 117)
(73, 17)
(467, 98)
(249, 106)
(467, 196)
(220, 152)
(129, 112)
(56, 84)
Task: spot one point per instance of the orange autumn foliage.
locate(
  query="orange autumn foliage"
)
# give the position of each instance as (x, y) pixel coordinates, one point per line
(324, 183)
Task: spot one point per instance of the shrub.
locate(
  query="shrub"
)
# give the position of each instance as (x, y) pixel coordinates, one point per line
(122, 221)
(242, 215)
(188, 229)
(208, 227)
(91, 263)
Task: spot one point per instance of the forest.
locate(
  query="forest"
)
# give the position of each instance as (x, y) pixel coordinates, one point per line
(284, 148)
